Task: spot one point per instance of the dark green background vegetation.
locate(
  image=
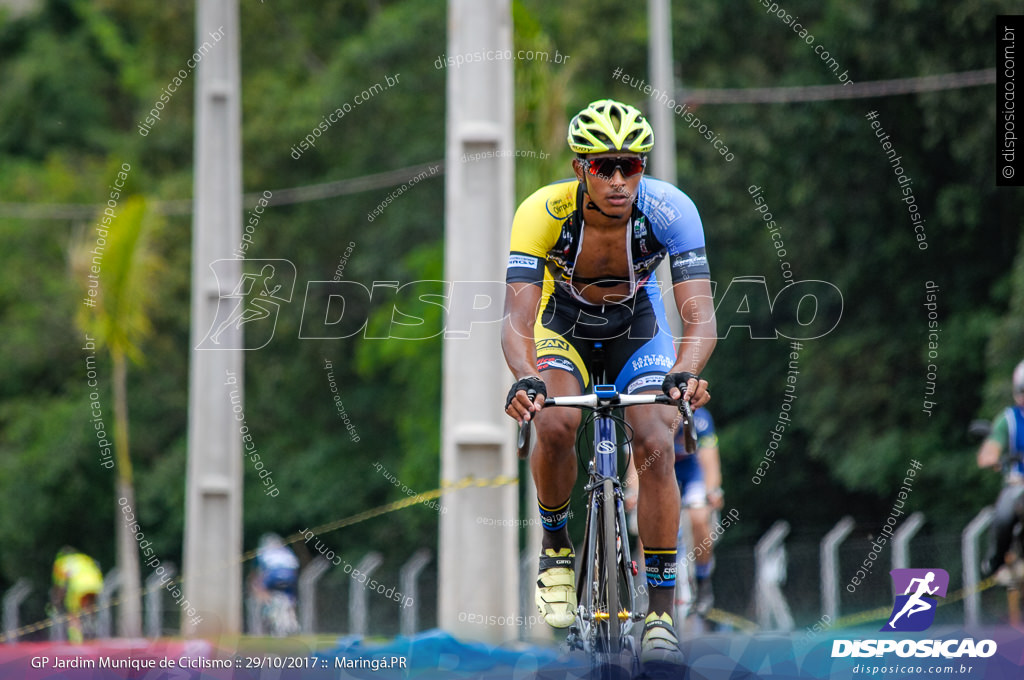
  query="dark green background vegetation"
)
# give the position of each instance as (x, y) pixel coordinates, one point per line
(76, 77)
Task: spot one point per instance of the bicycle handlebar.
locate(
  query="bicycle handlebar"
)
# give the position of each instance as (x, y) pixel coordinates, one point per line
(594, 402)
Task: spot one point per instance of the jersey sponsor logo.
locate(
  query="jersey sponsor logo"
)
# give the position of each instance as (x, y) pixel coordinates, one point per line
(648, 360)
(553, 343)
(639, 228)
(545, 363)
(645, 381)
(667, 212)
(558, 207)
(646, 262)
(690, 259)
(522, 261)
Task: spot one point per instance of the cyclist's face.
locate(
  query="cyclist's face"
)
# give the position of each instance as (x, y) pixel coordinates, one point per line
(612, 192)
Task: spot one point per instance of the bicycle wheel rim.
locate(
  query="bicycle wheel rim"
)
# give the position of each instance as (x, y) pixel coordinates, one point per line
(610, 566)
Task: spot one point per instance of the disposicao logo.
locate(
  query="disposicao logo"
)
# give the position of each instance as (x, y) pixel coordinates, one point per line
(913, 611)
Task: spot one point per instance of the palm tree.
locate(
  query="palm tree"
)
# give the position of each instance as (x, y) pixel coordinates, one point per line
(118, 268)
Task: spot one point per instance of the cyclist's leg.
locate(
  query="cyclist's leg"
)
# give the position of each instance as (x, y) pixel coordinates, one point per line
(658, 503)
(689, 547)
(553, 465)
(87, 616)
(73, 607)
(1006, 515)
(695, 499)
(640, 359)
(700, 520)
(560, 362)
(658, 518)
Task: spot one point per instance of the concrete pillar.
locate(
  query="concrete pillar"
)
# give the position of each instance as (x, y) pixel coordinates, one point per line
(477, 565)
(213, 504)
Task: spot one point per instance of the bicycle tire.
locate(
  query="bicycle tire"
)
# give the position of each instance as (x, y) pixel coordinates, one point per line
(610, 566)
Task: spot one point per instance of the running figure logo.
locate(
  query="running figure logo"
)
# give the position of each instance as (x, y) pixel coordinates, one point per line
(254, 302)
(914, 610)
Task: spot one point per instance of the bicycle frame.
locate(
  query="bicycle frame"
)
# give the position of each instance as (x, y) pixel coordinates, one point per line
(603, 625)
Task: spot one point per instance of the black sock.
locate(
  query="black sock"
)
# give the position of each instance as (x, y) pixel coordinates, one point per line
(661, 578)
(556, 524)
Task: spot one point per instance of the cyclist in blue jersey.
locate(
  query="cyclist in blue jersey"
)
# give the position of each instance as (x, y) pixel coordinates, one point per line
(581, 274)
(700, 484)
(274, 584)
(1007, 435)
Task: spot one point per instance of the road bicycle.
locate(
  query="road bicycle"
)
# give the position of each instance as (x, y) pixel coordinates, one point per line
(1012, 577)
(606, 612)
(279, 614)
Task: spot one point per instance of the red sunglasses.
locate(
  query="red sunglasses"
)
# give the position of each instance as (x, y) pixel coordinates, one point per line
(606, 167)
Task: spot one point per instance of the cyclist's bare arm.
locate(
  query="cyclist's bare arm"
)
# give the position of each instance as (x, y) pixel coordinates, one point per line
(517, 342)
(988, 454)
(700, 333)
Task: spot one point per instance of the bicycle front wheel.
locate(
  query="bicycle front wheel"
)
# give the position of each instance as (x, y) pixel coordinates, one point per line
(610, 566)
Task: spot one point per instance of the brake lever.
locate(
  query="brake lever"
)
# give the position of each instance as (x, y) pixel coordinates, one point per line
(525, 431)
(689, 431)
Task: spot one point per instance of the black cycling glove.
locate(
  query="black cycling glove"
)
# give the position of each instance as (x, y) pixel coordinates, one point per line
(677, 380)
(534, 385)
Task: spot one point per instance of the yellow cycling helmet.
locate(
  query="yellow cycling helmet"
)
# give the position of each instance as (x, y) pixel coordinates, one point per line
(608, 125)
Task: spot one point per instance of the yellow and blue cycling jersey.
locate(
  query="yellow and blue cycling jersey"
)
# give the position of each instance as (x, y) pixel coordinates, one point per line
(547, 236)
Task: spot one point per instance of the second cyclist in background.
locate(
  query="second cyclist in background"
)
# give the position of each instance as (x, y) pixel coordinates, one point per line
(77, 583)
(700, 484)
(274, 585)
(1006, 438)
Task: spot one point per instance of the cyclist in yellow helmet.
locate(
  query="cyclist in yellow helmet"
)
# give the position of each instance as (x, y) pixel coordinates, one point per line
(77, 582)
(581, 271)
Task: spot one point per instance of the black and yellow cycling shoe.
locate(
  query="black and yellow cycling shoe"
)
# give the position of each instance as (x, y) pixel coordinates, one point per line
(659, 644)
(556, 587)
